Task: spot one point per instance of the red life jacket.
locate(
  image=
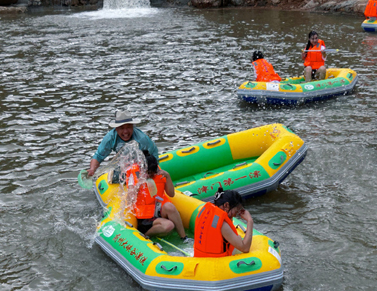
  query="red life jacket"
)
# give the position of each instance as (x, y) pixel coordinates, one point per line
(371, 9)
(265, 71)
(145, 205)
(209, 242)
(314, 59)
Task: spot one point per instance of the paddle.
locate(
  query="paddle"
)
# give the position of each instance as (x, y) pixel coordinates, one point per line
(325, 50)
(177, 248)
(84, 180)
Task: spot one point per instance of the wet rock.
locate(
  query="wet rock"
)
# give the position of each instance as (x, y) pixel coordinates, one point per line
(237, 2)
(328, 6)
(12, 10)
(310, 5)
(359, 6)
(207, 3)
(250, 2)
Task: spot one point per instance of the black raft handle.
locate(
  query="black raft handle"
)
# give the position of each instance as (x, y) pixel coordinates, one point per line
(100, 187)
(181, 183)
(210, 174)
(281, 161)
(170, 270)
(243, 263)
(188, 151)
(213, 143)
(240, 165)
(163, 157)
(159, 246)
(241, 227)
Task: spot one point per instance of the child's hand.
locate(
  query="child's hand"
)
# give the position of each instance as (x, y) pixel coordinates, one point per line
(163, 173)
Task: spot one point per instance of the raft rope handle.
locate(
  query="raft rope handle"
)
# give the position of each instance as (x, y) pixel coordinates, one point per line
(209, 173)
(213, 143)
(276, 244)
(281, 161)
(128, 224)
(100, 186)
(188, 151)
(163, 157)
(159, 246)
(143, 235)
(240, 165)
(243, 262)
(181, 183)
(241, 227)
(170, 270)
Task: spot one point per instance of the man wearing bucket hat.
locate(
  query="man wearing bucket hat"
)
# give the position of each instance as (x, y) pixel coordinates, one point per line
(123, 131)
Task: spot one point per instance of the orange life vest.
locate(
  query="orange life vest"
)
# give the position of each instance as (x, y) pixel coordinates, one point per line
(265, 71)
(145, 205)
(371, 9)
(314, 59)
(209, 242)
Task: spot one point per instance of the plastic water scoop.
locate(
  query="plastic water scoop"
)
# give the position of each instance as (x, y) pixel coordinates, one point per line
(84, 180)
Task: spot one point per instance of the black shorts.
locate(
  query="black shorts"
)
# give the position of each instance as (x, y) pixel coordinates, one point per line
(143, 225)
(313, 74)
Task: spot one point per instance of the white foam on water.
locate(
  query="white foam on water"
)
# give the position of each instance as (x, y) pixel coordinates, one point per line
(120, 9)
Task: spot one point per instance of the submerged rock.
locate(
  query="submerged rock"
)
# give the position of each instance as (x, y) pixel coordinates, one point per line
(12, 10)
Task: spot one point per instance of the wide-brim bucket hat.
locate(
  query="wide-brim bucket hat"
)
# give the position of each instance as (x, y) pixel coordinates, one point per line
(123, 117)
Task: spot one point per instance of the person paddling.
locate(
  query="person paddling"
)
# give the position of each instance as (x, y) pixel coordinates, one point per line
(314, 58)
(215, 234)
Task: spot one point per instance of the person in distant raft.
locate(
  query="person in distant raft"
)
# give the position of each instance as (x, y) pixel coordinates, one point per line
(263, 70)
(371, 10)
(123, 131)
(215, 234)
(314, 58)
(155, 214)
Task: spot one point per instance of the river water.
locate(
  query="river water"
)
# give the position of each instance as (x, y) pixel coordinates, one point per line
(64, 72)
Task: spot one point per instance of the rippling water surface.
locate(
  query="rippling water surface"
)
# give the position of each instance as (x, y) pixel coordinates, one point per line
(63, 73)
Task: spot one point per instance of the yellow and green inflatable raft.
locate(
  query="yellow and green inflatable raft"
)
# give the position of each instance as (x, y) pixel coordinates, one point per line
(156, 269)
(369, 25)
(293, 91)
(252, 162)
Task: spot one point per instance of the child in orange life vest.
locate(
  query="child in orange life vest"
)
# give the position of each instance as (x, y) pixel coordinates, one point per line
(371, 10)
(165, 218)
(215, 234)
(263, 70)
(314, 59)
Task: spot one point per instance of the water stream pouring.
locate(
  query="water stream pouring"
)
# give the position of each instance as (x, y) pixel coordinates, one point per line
(123, 4)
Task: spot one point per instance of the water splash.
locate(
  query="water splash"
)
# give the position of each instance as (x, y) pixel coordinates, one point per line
(128, 159)
(113, 9)
(125, 4)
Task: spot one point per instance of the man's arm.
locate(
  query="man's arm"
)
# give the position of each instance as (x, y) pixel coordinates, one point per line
(104, 149)
(94, 164)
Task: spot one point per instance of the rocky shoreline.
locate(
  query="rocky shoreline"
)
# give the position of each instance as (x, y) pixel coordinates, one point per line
(342, 6)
